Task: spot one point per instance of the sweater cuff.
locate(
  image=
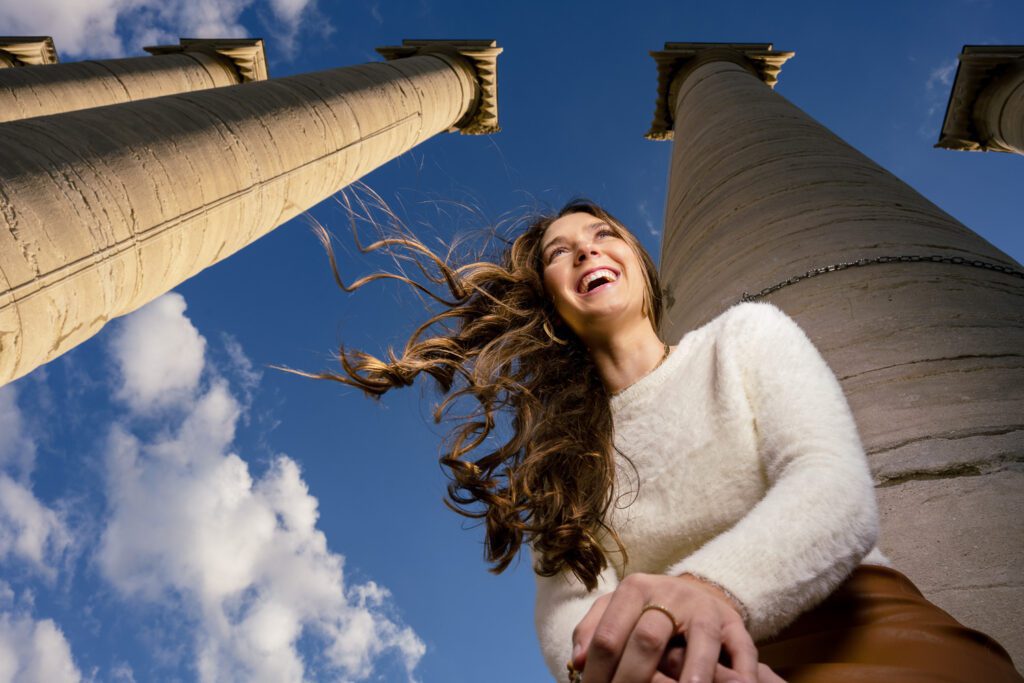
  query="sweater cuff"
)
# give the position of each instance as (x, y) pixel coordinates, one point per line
(736, 602)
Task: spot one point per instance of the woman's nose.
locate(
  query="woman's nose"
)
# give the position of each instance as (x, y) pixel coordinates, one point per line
(584, 252)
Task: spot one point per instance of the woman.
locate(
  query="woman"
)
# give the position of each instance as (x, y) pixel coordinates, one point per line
(681, 504)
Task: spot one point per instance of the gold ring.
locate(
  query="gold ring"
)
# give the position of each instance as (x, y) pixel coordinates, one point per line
(664, 610)
(574, 675)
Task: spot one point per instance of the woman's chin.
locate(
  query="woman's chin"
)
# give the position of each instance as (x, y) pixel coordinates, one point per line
(607, 320)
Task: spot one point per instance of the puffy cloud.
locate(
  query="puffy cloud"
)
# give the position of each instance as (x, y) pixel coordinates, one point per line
(32, 651)
(17, 449)
(29, 530)
(101, 28)
(160, 355)
(289, 10)
(191, 526)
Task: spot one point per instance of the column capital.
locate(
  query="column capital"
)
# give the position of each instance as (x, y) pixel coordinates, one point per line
(27, 50)
(678, 60)
(247, 55)
(482, 56)
(979, 66)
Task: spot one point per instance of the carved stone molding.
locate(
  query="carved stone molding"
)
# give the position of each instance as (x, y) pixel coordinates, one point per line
(678, 60)
(482, 58)
(980, 66)
(247, 55)
(27, 51)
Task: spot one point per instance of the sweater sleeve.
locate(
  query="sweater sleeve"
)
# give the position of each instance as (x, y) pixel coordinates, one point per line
(819, 516)
(562, 601)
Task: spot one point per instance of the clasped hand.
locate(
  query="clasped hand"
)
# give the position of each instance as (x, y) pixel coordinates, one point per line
(618, 641)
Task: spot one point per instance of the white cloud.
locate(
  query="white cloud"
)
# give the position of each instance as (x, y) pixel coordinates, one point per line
(289, 10)
(942, 76)
(241, 365)
(937, 88)
(375, 12)
(17, 449)
(191, 527)
(160, 355)
(29, 530)
(123, 673)
(114, 28)
(643, 209)
(34, 651)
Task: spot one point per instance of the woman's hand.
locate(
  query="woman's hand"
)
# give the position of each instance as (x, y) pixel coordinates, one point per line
(670, 668)
(619, 641)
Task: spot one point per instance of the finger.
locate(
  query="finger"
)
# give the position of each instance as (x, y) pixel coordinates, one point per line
(672, 659)
(742, 651)
(584, 631)
(608, 639)
(661, 678)
(703, 643)
(644, 648)
(766, 675)
(724, 674)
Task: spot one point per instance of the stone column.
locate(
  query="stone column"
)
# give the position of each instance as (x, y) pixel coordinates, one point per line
(986, 106)
(925, 332)
(194, 64)
(103, 210)
(26, 51)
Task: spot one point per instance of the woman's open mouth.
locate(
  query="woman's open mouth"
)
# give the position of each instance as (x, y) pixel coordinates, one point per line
(596, 279)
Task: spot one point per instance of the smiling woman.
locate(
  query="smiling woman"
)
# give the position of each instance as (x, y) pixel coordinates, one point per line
(680, 504)
(600, 279)
(551, 483)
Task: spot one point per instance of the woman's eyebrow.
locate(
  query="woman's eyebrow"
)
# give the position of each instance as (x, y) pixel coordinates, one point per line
(592, 226)
(554, 241)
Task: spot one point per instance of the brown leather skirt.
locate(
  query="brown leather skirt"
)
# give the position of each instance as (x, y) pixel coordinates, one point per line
(878, 628)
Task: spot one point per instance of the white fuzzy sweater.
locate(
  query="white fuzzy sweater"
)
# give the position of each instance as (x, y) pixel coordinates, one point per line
(749, 473)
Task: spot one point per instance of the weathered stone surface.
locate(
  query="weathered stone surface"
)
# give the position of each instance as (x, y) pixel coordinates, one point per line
(986, 106)
(104, 209)
(678, 59)
(929, 353)
(193, 65)
(932, 529)
(482, 55)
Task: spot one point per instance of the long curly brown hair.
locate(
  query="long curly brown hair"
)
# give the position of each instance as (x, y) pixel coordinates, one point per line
(499, 341)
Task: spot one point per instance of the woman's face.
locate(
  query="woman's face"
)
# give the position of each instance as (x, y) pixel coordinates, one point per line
(593, 275)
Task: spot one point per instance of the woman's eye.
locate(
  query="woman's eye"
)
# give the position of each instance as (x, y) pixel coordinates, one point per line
(557, 251)
(606, 232)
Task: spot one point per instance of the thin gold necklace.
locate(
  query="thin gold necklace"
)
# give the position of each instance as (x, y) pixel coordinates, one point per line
(646, 374)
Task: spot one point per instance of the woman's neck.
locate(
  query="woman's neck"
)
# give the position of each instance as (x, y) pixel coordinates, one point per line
(624, 358)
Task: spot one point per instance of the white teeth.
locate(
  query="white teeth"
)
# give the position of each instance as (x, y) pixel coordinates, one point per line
(596, 275)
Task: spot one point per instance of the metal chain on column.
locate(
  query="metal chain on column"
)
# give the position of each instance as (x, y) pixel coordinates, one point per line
(935, 258)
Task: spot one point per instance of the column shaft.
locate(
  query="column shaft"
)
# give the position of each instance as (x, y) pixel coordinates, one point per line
(105, 209)
(58, 88)
(930, 355)
(999, 113)
(986, 104)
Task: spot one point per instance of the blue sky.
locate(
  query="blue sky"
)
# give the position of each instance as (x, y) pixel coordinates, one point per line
(171, 508)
